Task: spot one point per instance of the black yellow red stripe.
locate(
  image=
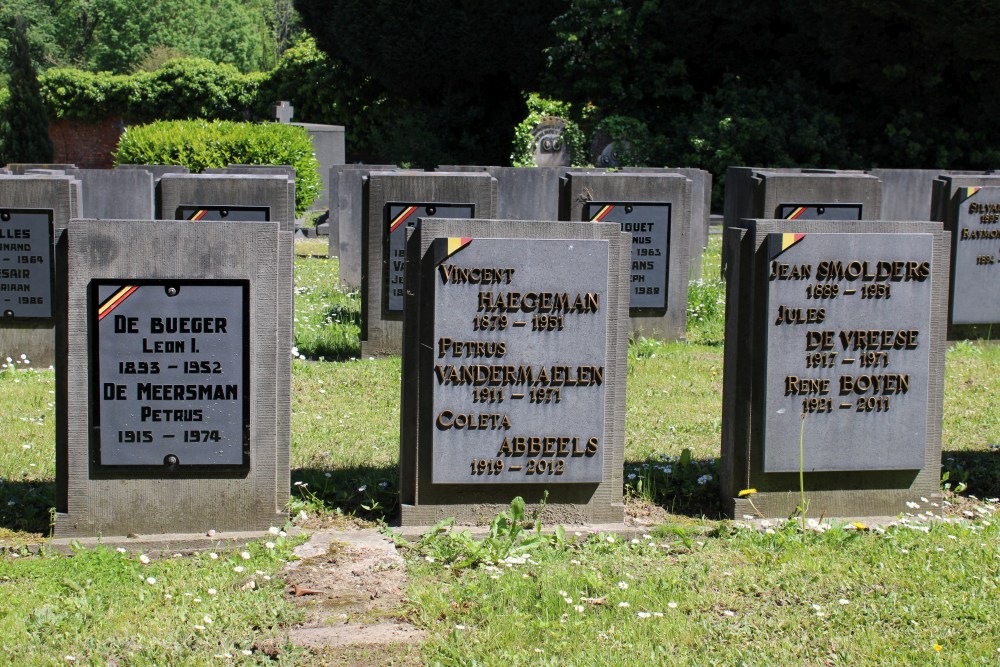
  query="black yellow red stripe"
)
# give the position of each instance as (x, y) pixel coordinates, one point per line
(971, 190)
(603, 213)
(115, 300)
(199, 214)
(401, 218)
(794, 215)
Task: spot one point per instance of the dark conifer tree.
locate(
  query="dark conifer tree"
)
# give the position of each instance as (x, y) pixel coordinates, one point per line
(25, 134)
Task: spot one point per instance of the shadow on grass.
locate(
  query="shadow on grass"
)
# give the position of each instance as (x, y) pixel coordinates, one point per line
(678, 484)
(366, 492)
(26, 506)
(978, 470)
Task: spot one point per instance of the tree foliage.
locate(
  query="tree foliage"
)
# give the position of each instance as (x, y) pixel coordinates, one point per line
(120, 36)
(444, 77)
(851, 83)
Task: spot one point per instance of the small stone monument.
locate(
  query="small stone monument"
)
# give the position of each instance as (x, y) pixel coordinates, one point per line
(514, 369)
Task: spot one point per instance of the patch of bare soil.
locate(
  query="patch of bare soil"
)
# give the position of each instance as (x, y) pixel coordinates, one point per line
(351, 586)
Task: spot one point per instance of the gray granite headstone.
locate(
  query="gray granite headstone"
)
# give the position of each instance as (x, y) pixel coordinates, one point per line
(173, 388)
(535, 193)
(393, 203)
(329, 147)
(834, 365)
(969, 205)
(34, 212)
(234, 197)
(514, 364)
(116, 193)
(656, 210)
(806, 194)
(347, 218)
(21, 168)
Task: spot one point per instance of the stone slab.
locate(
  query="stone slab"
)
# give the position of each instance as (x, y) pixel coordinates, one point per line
(347, 218)
(91, 501)
(243, 197)
(31, 330)
(329, 146)
(116, 193)
(958, 200)
(864, 398)
(387, 195)
(536, 435)
(873, 471)
(655, 208)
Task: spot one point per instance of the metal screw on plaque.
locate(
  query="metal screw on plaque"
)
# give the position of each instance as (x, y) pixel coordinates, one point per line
(5, 216)
(224, 213)
(821, 210)
(629, 208)
(431, 210)
(170, 460)
(8, 313)
(171, 291)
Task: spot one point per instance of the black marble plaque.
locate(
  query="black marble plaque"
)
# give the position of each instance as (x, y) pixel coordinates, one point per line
(398, 218)
(520, 350)
(819, 211)
(847, 349)
(26, 263)
(649, 225)
(975, 285)
(230, 213)
(171, 388)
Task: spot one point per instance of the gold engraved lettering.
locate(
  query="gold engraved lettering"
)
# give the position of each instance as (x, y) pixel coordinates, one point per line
(890, 383)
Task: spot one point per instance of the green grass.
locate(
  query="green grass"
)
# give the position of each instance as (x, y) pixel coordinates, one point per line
(741, 596)
(735, 598)
(100, 606)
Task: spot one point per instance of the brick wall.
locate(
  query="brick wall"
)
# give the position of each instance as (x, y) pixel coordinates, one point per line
(87, 145)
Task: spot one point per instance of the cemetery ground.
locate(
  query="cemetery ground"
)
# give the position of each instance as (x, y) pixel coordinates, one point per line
(687, 589)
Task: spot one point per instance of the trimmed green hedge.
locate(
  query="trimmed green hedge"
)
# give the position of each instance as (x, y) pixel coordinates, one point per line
(184, 88)
(201, 144)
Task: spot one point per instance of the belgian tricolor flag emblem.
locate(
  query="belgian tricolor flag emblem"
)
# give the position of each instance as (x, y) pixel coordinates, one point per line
(115, 300)
(794, 215)
(603, 213)
(199, 214)
(446, 247)
(401, 218)
(968, 191)
(779, 243)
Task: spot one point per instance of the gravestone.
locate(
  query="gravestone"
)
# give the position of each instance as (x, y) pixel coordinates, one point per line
(514, 365)
(329, 146)
(116, 193)
(535, 193)
(834, 366)
(656, 210)
(347, 218)
(21, 168)
(235, 197)
(970, 205)
(799, 194)
(173, 389)
(34, 212)
(283, 112)
(393, 203)
(548, 144)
